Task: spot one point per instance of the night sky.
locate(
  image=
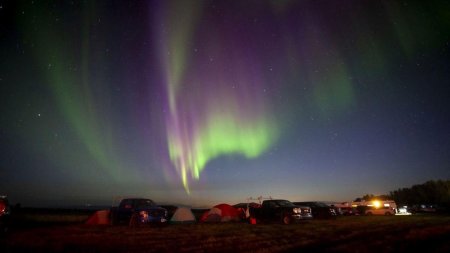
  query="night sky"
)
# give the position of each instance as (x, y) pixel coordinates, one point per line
(204, 102)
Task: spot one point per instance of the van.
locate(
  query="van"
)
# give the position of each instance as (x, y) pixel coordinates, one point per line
(382, 210)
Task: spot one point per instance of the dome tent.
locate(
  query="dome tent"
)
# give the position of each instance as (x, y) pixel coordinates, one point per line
(183, 215)
(221, 213)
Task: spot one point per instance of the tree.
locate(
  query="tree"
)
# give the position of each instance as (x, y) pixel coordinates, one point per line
(429, 193)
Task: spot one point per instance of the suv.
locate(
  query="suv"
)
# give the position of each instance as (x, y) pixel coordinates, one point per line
(319, 210)
(137, 211)
(5, 213)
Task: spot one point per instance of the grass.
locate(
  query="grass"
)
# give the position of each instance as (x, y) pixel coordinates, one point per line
(47, 216)
(346, 234)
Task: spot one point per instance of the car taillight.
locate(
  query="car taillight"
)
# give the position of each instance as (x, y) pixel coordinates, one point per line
(2, 208)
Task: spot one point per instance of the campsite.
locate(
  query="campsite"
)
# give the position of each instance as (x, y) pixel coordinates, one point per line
(168, 125)
(67, 231)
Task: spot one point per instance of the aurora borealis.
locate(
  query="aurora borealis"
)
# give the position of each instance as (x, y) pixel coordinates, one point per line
(200, 102)
(223, 112)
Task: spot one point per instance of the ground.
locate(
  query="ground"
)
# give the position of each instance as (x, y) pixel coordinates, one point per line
(345, 234)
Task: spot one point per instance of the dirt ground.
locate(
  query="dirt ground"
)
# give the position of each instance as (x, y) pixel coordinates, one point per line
(345, 234)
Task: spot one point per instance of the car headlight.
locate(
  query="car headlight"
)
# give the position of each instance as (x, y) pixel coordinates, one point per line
(143, 214)
(297, 210)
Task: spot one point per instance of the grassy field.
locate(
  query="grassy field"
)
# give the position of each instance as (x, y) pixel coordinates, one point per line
(345, 234)
(26, 217)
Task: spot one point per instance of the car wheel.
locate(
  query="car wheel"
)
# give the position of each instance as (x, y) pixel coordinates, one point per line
(287, 219)
(387, 214)
(369, 213)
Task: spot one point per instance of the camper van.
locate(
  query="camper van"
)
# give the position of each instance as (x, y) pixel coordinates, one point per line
(376, 207)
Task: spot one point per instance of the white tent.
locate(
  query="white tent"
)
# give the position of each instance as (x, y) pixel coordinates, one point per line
(183, 215)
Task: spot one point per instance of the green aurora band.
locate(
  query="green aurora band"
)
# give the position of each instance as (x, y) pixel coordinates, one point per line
(72, 86)
(197, 135)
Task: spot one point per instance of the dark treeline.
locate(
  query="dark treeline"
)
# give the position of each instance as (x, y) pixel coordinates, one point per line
(429, 193)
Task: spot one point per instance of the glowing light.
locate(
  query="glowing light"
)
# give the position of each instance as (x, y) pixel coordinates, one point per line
(376, 203)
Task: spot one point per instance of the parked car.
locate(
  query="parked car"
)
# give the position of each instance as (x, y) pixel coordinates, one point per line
(306, 212)
(138, 211)
(347, 211)
(5, 214)
(423, 208)
(403, 210)
(382, 210)
(319, 210)
(278, 210)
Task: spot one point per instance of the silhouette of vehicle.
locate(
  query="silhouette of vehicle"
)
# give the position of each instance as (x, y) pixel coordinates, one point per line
(382, 210)
(319, 210)
(278, 210)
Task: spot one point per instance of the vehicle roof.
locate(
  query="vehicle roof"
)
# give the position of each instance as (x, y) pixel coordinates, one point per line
(311, 203)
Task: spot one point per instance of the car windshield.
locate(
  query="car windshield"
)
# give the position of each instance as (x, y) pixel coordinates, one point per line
(320, 204)
(284, 203)
(143, 203)
(311, 204)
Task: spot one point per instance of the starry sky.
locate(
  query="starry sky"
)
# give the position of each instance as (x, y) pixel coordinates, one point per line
(205, 102)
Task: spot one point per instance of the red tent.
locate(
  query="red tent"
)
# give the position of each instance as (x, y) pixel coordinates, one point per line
(228, 211)
(99, 218)
(221, 212)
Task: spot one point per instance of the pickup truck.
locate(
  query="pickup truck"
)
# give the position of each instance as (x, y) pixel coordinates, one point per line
(138, 211)
(278, 210)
